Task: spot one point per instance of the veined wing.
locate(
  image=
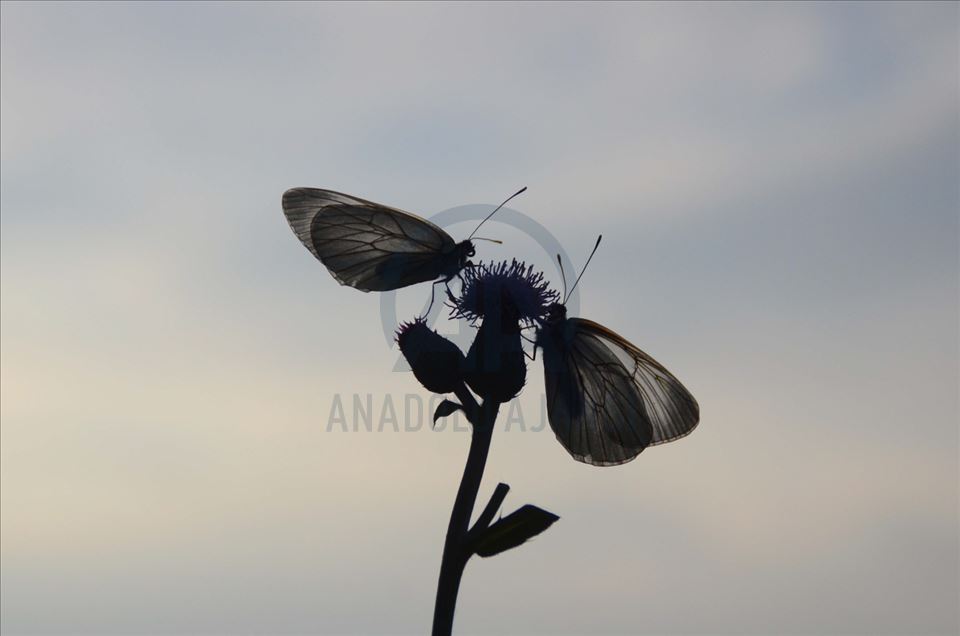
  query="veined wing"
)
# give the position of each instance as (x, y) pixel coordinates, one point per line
(593, 406)
(363, 244)
(672, 411)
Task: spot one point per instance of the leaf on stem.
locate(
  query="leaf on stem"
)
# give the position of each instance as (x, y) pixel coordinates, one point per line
(445, 408)
(513, 530)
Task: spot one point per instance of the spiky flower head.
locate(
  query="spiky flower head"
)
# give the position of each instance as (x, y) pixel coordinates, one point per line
(488, 286)
(436, 362)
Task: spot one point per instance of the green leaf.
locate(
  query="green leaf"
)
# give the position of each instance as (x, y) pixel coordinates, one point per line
(513, 530)
(445, 408)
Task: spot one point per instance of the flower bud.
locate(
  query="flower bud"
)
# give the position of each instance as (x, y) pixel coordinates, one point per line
(436, 361)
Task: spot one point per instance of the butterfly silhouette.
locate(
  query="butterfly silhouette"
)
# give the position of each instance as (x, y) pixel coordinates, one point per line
(606, 399)
(373, 247)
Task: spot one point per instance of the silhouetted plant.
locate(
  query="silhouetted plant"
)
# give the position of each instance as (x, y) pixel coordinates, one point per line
(497, 298)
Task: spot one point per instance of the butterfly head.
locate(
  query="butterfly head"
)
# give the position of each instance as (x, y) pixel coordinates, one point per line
(556, 313)
(467, 250)
(462, 254)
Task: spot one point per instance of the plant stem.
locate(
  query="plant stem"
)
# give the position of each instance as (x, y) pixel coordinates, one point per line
(455, 549)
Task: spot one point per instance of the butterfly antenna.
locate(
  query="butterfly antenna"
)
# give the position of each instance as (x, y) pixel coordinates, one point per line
(520, 191)
(564, 277)
(576, 282)
(497, 241)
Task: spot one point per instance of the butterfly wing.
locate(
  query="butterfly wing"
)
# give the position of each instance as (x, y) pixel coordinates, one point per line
(673, 412)
(367, 245)
(606, 399)
(593, 405)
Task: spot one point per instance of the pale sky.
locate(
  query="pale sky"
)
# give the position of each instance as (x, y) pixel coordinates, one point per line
(777, 185)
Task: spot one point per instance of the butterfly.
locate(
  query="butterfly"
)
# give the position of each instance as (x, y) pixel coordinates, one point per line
(606, 399)
(373, 247)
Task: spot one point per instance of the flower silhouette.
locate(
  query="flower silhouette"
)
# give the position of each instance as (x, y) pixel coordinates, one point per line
(497, 298)
(437, 363)
(487, 286)
(500, 296)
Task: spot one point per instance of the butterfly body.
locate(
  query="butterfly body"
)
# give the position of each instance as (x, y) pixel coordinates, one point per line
(370, 246)
(452, 263)
(607, 400)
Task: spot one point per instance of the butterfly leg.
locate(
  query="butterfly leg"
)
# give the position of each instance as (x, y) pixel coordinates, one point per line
(433, 291)
(530, 356)
(459, 274)
(446, 283)
(450, 295)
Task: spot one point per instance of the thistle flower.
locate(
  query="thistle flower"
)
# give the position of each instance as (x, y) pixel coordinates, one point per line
(500, 296)
(437, 363)
(485, 284)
